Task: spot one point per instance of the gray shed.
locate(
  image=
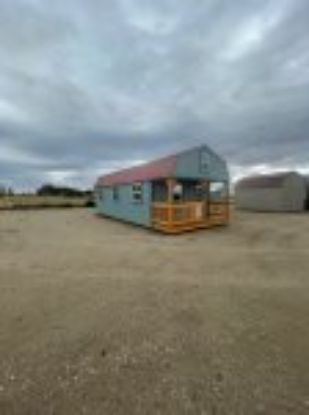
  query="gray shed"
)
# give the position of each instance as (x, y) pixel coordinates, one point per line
(307, 198)
(283, 192)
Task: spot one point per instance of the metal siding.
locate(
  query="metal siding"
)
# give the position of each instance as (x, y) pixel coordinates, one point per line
(259, 199)
(289, 197)
(125, 208)
(189, 166)
(294, 193)
(264, 181)
(156, 169)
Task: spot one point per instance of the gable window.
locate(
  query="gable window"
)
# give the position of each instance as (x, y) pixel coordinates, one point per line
(204, 161)
(116, 193)
(137, 192)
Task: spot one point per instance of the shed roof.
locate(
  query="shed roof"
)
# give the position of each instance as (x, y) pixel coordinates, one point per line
(262, 181)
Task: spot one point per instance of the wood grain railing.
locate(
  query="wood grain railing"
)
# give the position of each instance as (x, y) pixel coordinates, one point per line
(175, 217)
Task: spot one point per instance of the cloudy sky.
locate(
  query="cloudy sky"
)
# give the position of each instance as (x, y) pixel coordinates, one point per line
(92, 86)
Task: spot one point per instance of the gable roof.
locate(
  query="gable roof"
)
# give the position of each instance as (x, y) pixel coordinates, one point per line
(261, 181)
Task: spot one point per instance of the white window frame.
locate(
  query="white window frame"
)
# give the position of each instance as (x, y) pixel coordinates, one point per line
(138, 192)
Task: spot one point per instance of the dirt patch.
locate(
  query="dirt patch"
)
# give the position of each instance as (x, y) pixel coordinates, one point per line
(99, 317)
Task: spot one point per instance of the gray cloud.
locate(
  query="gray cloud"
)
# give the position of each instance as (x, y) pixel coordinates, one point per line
(92, 86)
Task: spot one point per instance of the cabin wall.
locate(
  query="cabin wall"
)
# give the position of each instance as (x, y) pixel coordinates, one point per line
(202, 163)
(125, 208)
(189, 191)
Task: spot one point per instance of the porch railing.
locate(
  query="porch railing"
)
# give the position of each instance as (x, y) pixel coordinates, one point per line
(189, 215)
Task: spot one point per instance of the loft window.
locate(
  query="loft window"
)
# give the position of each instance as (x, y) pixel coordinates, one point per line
(116, 193)
(204, 161)
(137, 193)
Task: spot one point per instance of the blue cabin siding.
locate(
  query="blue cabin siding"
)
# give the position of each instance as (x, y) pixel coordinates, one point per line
(125, 208)
(201, 163)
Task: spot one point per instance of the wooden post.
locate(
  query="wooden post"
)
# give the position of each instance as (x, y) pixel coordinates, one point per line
(170, 186)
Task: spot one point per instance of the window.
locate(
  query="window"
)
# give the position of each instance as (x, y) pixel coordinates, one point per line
(204, 161)
(116, 193)
(178, 192)
(218, 190)
(137, 192)
(100, 194)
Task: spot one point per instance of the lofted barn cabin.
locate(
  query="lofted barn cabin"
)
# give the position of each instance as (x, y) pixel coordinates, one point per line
(184, 191)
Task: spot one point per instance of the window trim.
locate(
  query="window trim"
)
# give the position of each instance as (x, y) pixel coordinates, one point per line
(115, 194)
(100, 194)
(137, 192)
(218, 188)
(204, 161)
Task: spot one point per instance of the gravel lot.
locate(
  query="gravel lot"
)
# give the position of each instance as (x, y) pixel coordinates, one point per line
(100, 317)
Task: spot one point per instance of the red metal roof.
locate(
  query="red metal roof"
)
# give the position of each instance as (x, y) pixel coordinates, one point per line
(157, 169)
(269, 181)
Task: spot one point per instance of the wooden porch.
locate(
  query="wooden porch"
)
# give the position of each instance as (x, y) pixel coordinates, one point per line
(180, 216)
(176, 218)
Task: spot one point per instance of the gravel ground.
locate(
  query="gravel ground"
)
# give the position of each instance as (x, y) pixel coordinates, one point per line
(99, 317)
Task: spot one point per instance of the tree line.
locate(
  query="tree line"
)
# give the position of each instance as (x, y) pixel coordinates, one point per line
(6, 191)
(51, 190)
